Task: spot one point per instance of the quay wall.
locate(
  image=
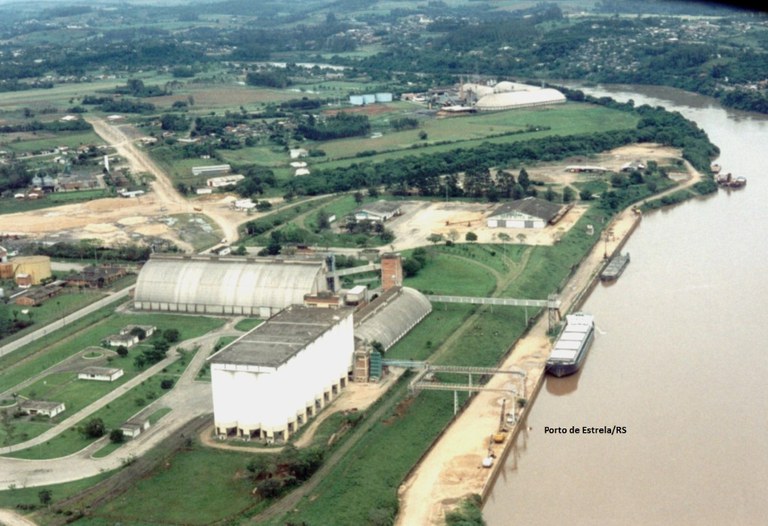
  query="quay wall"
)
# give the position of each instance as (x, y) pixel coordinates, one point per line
(578, 301)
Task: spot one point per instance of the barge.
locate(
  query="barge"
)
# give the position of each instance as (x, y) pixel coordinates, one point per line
(573, 344)
(615, 267)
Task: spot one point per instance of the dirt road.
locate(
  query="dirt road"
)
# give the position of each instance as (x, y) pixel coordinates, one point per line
(162, 186)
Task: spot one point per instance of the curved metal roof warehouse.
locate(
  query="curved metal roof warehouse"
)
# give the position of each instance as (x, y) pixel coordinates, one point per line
(237, 285)
(519, 99)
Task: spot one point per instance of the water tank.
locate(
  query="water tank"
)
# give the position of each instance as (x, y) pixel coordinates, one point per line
(383, 97)
(356, 100)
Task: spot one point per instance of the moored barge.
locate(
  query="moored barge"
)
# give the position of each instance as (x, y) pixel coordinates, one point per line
(573, 344)
(615, 267)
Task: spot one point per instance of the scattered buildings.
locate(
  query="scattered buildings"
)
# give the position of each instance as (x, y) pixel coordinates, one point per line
(530, 212)
(96, 277)
(36, 269)
(224, 181)
(36, 295)
(270, 381)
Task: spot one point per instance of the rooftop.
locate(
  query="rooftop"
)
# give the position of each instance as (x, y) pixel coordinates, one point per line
(381, 207)
(532, 206)
(274, 342)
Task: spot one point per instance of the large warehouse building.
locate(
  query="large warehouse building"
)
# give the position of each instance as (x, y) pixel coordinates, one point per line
(509, 95)
(267, 383)
(234, 285)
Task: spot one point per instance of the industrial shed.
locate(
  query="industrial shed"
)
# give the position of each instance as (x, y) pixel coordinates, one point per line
(519, 99)
(268, 382)
(233, 285)
(530, 212)
(390, 316)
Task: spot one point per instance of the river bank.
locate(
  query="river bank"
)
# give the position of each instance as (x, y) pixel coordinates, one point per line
(453, 469)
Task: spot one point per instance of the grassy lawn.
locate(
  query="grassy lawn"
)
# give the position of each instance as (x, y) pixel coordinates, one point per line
(197, 229)
(453, 276)
(49, 141)
(89, 332)
(248, 324)
(9, 205)
(114, 415)
(183, 491)
(58, 307)
(470, 131)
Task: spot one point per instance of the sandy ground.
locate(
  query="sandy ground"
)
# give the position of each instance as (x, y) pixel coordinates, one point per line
(11, 518)
(454, 219)
(355, 397)
(120, 220)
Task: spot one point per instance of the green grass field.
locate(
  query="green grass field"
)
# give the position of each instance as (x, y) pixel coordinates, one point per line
(471, 130)
(196, 487)
(89, 332)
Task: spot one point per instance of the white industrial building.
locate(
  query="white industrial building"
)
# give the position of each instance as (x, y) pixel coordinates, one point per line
(267, 383)
(247, 286)
(530, 212)
(379, 211)
(506, 100)
(216, 169)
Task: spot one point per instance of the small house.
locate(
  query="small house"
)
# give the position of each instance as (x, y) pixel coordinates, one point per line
(122, 340)
(100, 374)
(134, 427)
(39, 407)
(149, 330)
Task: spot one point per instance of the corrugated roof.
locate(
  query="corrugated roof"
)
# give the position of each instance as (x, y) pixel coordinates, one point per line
(512, 99)
(532, 206)
(246, 282)
(391, 316)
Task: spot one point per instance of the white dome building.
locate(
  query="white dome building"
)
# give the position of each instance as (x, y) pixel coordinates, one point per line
(520, 99)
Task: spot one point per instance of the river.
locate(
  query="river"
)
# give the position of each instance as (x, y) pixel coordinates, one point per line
(680, 360)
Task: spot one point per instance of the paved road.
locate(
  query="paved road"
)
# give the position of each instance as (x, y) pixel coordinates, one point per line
(66, 320)
(188, 400)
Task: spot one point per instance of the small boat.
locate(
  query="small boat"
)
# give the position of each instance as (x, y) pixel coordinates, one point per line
(615, 267)
(729, 181)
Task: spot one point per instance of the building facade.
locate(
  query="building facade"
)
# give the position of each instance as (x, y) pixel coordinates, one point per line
(271, 380)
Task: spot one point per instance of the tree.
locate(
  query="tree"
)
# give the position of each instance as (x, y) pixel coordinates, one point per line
(435, 238)
(359, 197)
(166, 383)
(116, 436)
(568, 194)
(139, 332)
(322, 219)
(171, 335)
(93, 428)
(269, 488)
(423, 135)
(453, 235)
(521, 238)
(45, 496)
(122, 351)
(523, 179)
(471, 237)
